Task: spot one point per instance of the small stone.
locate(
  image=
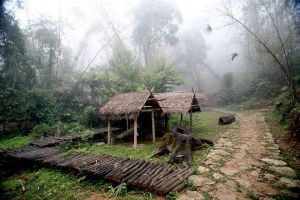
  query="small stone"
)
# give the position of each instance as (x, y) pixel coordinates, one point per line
(269, 177)
(289, 183)
(220, 152)
(217, 176)
(272, 148)
(203, 170)
(199, 181)
(100, 143)
(273, 161)
(285, 171)
(191, 195)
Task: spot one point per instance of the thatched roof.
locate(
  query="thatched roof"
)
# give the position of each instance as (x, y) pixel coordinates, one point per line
(127, 105)
(178, 102)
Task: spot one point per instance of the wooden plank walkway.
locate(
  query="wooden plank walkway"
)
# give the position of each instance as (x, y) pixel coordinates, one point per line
(55, 140)
(160, 178)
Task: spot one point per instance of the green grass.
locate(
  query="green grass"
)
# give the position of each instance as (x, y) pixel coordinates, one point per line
(13, 142)
(47, 184)
(205, 124)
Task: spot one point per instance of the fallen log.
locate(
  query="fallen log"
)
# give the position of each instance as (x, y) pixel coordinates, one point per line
(228, 119)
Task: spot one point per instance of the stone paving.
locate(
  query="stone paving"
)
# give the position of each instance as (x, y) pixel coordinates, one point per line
(244, 164)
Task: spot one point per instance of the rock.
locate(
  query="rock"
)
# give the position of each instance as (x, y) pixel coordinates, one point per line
(273, 161)
(229, 171)
(100, 143)
(220, 152)
(191, 195)
(217, 176)
(285, 171)
(289, 183)
(199, 181)
(272, 148)
(214, 156)
(203, 170)
(269, 177)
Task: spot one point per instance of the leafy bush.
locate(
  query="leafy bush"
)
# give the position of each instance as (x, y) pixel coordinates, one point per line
(172, 196)
(120, 190)
(89, 117)
(42, 130)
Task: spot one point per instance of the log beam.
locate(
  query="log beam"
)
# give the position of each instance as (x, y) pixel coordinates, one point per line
(153, 127)
(135, 133)
(108, 132)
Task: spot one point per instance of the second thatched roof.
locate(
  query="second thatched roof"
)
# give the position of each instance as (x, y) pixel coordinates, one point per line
(178, 102)
(127, 105)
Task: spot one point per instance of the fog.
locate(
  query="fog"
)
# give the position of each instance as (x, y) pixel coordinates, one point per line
(88, 25)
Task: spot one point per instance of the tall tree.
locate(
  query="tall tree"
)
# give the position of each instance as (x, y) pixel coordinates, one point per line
(15, 70)
(156, 21)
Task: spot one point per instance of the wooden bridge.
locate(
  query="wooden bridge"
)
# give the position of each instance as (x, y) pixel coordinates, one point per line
(158, 177)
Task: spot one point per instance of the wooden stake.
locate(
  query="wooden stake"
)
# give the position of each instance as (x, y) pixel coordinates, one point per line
(153, 127)
(127, 123)
(135, 133)
(108, 132)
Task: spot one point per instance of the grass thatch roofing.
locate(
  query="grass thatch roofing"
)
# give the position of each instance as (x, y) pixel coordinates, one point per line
(126, 105)
(178, 102)
(200, 95)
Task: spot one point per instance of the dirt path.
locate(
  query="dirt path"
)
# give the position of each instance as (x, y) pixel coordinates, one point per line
(245, 164)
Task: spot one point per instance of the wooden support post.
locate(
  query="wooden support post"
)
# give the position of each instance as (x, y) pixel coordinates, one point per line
(135, 133)
(181, 119)
(108, 132)
(191, 120)
(153, 127)
(127, 123)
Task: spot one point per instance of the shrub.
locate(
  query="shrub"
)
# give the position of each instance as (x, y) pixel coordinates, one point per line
(89, 117)
(172, 196)
(42, 130)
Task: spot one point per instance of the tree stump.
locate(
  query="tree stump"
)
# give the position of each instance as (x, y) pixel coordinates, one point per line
(180, 143)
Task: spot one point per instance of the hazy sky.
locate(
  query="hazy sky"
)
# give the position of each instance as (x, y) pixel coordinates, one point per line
(78, 16)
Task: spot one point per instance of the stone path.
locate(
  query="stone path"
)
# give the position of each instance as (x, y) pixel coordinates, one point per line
(244, 164)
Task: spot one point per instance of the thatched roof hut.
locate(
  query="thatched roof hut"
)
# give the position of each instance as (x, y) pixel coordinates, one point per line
(178, 102)
(128, 105)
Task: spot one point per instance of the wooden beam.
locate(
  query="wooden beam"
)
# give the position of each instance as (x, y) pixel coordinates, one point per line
(135, 133)
(127, 125)
(191, 121)
(153, 127)
(108, 132)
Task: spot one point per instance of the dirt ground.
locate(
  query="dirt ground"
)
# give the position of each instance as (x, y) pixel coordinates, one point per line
(245, 164)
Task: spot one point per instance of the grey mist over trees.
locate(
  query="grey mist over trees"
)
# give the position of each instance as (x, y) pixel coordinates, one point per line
(61, 56)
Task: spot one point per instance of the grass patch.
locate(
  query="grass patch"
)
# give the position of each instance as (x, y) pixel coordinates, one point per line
(205, 124)
(13, 142)
(47, 184)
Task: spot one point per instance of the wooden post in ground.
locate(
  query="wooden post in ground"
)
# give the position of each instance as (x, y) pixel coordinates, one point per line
(191, 120)
(153, 126)
(127, 123)
(135, 133)
(108, 132)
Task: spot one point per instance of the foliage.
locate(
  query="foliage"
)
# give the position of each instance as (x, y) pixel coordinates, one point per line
(162, 77)
(89, 117)
(42, 130)
(289, 112)
(190, 185)
(119, 190)
(172, 196)
(15, 69)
